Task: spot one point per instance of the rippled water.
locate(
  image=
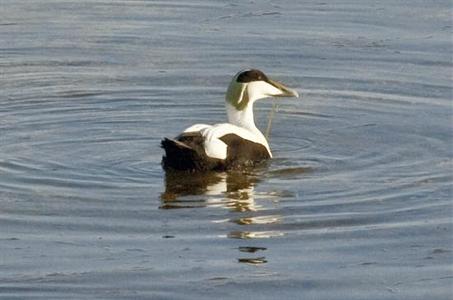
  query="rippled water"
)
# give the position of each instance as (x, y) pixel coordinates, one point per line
(356, 204)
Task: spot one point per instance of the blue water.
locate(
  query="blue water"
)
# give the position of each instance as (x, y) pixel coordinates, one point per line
(356, 204)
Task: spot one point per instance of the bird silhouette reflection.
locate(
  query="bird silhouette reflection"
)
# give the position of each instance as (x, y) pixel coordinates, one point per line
(233, 190)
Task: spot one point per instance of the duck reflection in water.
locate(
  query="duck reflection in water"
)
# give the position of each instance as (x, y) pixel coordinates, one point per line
(234, 191)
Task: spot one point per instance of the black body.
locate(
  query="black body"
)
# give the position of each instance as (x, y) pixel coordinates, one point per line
(187, 153)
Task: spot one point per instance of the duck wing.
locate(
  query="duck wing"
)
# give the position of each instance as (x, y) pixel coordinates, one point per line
(186, 152)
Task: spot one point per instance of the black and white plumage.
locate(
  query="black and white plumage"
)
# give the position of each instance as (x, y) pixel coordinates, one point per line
(233, 145)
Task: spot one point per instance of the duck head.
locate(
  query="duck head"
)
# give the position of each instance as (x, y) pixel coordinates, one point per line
(250, 85)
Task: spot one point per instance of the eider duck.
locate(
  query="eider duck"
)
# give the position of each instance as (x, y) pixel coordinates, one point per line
(233, 145)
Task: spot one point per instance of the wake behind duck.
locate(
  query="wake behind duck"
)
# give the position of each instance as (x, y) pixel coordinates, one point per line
(233, 145)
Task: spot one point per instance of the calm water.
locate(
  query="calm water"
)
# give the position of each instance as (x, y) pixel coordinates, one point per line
(357, 203)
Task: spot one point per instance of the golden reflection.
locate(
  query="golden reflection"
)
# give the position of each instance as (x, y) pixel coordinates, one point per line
(254, 234)
(257, 220)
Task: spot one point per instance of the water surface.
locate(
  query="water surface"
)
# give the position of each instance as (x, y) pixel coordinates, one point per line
(356, 204)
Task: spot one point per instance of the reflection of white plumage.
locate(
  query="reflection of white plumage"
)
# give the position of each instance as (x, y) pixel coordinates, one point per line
(230, 145)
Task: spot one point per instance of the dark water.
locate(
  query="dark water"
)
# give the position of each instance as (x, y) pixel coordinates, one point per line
(357, 203)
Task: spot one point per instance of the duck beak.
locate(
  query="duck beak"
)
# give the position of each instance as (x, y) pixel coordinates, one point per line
(286, 91)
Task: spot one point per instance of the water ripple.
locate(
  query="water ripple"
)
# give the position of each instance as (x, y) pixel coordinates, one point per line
(360, 183)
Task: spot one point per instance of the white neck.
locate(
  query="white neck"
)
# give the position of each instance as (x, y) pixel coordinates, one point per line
(244, 119)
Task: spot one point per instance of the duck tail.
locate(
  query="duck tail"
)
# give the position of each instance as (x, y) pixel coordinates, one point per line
(179, 156)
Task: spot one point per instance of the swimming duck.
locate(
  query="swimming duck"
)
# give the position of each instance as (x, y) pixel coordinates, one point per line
(233, 145)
